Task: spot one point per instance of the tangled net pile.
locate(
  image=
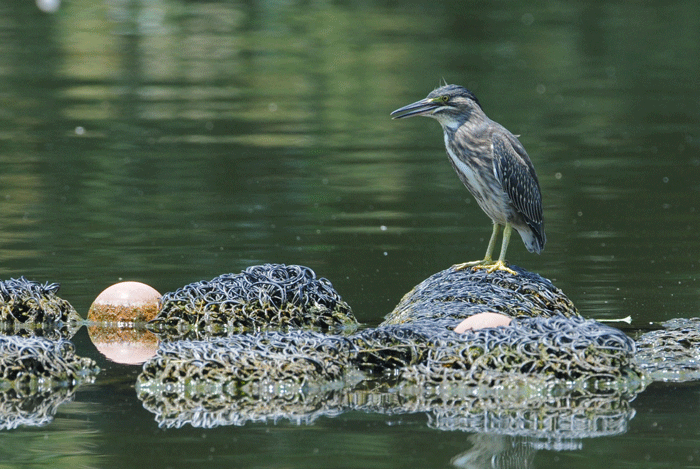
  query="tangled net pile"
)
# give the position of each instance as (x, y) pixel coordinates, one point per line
(459, 294)
(296, 358)
(270, 296)
(566, 349)
(671, 353)
(246, 377)
(30, 308)
(36, 375)
(413, 362)
(302, 375)
(30, 364)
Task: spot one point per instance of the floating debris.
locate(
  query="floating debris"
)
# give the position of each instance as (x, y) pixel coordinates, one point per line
(483, 321)
(125, 303)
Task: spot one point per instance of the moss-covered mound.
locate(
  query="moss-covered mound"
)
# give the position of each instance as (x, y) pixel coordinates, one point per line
(36, 375)
(547, 358)
(270, 296)
(30, 308)
(463, 293)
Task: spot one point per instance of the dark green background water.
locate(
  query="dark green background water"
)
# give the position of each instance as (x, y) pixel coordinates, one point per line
(172, 141)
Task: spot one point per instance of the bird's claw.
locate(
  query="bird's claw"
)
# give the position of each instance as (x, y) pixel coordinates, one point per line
(465, 265)
(487, 265)
(498, 265)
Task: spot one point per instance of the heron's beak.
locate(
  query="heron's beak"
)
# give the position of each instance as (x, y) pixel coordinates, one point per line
(424, 106)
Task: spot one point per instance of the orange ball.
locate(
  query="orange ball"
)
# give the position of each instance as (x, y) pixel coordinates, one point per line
(125, 302)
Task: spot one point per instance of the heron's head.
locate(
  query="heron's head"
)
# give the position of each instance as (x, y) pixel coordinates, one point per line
(451, 105)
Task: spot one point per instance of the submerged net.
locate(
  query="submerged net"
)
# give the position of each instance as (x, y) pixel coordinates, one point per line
(36, 375)
(29, 308)
(671, 353)
(300, 375)
(548, 364)
(296, 358)
(270, 296)
(562, 348)
(250, 377)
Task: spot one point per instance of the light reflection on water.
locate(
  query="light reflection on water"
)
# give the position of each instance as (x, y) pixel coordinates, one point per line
(173, 142)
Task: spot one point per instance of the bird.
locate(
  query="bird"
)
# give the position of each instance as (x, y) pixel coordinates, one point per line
(493, 165)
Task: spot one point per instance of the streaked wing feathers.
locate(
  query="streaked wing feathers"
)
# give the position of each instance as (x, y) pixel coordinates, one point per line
(514, 170)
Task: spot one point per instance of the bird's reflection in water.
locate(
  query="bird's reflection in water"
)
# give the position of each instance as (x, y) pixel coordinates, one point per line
(496, 452)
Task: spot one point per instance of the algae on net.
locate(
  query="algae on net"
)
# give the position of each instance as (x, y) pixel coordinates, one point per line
(36, 375)
(301, 375)
(28, 364)
(671, 353)
(29, 308)
(269, 296)
(462, 293)
(413, 361)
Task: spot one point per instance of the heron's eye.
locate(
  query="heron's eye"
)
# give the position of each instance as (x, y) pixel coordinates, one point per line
(444, 98)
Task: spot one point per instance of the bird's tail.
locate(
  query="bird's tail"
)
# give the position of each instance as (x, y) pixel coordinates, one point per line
(533, 237)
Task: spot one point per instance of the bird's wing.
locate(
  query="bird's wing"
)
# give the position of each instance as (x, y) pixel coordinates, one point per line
(516, 174)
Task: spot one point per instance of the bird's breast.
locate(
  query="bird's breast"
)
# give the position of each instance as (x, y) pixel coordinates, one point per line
(476, 173)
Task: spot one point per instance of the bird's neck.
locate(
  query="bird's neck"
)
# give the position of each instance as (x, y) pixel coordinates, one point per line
(467, 138)
(449, 125)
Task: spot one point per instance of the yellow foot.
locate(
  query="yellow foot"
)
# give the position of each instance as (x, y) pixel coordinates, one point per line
(464, 265)
(494, 266)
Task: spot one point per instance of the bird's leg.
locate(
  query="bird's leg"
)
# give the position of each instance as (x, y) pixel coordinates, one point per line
(488, 259)
(492, 243)
(500, 264)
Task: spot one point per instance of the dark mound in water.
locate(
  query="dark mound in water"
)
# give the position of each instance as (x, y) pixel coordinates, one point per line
(270, 296)
(548, 361)
(28, 308)
(36, 375)
(462, 293)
